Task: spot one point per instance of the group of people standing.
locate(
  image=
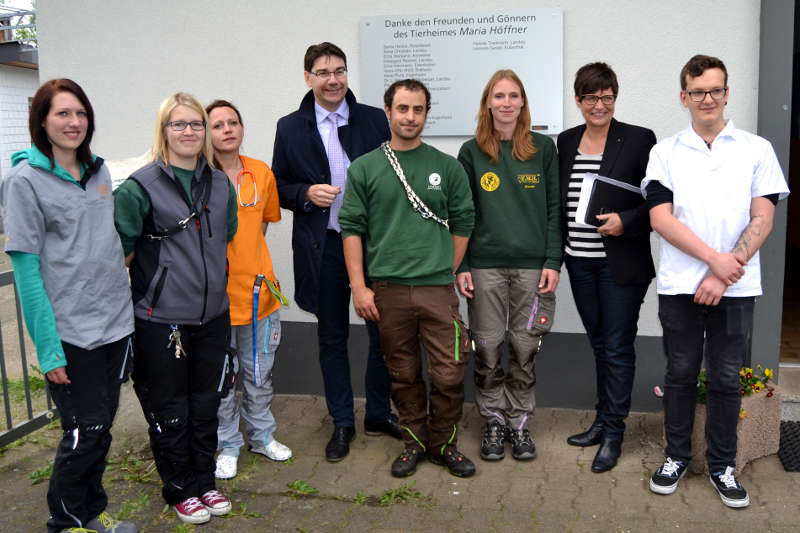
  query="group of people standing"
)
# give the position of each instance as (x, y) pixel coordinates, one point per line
(400, 226)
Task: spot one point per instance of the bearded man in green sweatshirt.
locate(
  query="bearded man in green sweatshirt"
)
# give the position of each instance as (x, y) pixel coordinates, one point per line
(409, 208)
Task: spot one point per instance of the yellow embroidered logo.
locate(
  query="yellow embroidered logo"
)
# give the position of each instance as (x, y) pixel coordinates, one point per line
(490, 182)
(529, 181)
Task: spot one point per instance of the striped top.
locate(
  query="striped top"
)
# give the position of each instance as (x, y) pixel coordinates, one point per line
(582, 241)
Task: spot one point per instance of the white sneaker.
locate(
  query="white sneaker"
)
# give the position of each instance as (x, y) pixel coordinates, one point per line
(226, 466)
(274, 450)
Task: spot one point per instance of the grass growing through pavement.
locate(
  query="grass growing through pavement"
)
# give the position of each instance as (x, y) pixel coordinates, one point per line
(41, 474)
(298, 487)
(404, 493)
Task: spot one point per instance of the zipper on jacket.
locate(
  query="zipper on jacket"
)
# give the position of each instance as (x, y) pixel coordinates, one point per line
(205, 272)
(157, 290)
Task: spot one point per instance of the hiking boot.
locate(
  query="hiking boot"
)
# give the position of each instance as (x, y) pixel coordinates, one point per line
(406, 463)
(522, 446)
(389, 427)
(274, 451)
(226, 466)
(666, 478)
(493, 446)
(105, 523)
(730, 490)
(455, 461)
(217, 503)
(192, 511)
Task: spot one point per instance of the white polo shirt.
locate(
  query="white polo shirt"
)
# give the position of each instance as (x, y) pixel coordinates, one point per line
(712, 190)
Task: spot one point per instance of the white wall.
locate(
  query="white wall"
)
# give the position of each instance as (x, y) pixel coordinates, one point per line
(129, 56)
(16, 86)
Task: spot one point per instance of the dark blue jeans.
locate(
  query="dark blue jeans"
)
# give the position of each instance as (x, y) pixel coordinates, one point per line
(610, 315)
(333, 328)
(724, 332)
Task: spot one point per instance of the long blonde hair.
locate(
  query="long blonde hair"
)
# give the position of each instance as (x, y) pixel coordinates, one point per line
(159, 148)
(488, 139)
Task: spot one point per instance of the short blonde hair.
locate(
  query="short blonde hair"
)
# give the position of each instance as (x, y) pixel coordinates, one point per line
(159, 148)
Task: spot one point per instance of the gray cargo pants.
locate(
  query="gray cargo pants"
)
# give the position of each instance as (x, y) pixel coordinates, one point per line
(507, 298)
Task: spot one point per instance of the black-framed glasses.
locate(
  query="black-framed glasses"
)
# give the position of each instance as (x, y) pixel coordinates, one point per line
(340, 73)
(180, 125)
(592, 99)
(717, 93)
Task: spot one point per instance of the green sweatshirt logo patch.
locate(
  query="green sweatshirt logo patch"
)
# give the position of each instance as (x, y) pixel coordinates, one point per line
(490, 182)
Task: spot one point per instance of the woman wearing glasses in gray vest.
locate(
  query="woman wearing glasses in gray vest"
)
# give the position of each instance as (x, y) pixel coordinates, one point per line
(175, 217)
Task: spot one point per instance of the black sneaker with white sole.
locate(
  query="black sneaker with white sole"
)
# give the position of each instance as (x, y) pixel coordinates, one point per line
(666, 478)
(730, 490)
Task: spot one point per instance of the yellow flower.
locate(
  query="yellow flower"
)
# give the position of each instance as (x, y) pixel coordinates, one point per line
(742, 414)
(769, 374)
(742, 372)
(759, 386)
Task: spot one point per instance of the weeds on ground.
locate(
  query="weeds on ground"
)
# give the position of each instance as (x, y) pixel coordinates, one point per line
(401, 494)
(133, 505)
(360, 498)
(134, 469)
(183, 528)
(298, 487)
(41, 474)
(243, 512)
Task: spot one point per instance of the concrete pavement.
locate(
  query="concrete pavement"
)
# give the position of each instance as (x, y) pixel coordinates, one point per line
(555, 492)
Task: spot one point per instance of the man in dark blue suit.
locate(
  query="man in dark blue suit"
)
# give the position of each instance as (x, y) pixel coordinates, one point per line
(314, 146)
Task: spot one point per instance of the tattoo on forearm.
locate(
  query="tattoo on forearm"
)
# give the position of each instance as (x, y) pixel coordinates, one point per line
(752, 233)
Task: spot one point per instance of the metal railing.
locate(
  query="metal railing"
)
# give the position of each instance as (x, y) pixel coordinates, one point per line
(15, 430)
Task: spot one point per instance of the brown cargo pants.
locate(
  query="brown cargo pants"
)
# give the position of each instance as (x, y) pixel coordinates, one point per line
(424, 316)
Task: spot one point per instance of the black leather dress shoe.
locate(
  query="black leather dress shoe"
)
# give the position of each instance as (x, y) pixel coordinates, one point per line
(339, 445)
(383, 427)
(607, 455)
(590, 437)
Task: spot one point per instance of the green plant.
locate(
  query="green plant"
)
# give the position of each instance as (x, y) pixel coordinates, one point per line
(41, 474)
(360, 498)
(403, 493)
(134, 469)
(183, 528)
(133, 505)
(242, 511)
(298, 487)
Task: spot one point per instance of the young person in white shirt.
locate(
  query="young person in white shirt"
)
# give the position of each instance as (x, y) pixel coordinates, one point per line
(712, 191)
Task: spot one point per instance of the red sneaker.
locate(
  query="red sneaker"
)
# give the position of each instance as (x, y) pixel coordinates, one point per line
(217, 503)
(192, 511)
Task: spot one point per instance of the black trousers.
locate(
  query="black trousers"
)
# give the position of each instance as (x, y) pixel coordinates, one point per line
(87, 406)
(720, 333)
(179, 398)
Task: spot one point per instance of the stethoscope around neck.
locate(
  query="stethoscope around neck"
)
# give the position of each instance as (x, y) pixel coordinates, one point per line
(238, 183)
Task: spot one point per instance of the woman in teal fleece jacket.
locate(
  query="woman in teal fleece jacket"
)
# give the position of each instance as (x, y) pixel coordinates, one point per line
(76, 301)
(511, 269)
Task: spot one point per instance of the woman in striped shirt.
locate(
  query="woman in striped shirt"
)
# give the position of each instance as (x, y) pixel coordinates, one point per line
(609, 265)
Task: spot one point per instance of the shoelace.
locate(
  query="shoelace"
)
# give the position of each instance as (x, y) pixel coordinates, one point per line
(670, 467)
(728, 479)
(523, 436)
(107, 520)
(493, 431)
(213, 497)
(193, 504)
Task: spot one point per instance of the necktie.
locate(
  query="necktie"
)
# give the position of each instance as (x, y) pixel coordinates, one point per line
(336, 161)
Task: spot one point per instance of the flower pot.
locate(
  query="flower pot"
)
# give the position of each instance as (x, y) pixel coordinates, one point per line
(758, 433)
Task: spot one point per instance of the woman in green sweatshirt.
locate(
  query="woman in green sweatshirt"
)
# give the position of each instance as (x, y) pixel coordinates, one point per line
(511, 269)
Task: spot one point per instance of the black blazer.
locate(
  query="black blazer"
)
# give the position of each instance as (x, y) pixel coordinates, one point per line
(299, 161)
(624, 158)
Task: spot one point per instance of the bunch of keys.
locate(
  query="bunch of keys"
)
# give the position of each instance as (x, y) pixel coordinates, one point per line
(175, 340)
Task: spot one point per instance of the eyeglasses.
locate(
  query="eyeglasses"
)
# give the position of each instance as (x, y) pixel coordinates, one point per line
(592, 99)
(717, 93)
(180, 125)
(239, 177)
(340, 73)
